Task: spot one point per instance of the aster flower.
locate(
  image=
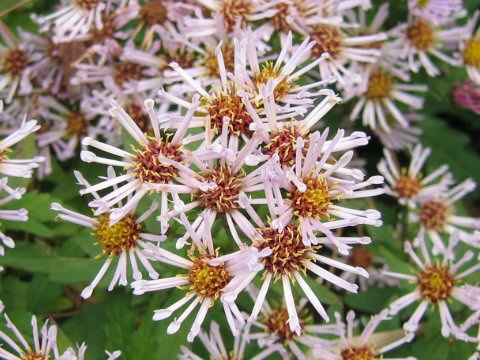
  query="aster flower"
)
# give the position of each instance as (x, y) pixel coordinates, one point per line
(15, 70)
(79, 354)
(436, 215)
(399, 137)
(143, 171)
(467, 96)
(215, 346)
(436, 11)
(273, 330)
(378, 96)
(437, 283)
(470, 49)
(207, 276)
(17, 347)
(363, 346)
(421, 39)
(10, 215)
(123, 240)
(315, 189)
(409, 185)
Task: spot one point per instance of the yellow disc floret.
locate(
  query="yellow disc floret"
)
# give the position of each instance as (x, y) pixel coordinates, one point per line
(117, 238)
(207, 281)
(435, 283)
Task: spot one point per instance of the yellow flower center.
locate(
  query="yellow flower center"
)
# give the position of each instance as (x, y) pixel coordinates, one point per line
(380, 85)
(147, 166)
(288, 250)
(276, 323)
(422, 3)
(211, 64)
(283, 142)
(87, 4)
(267, 72)
(225, 196)
(421, 34)
(314, 201)
(34, 356)
(117, 238)
(407, 187)
(206, 280)
(328, 39)
(433, 215)
(234, 10)
(76, 124)
(471, 53)
(435, 283)
(153, 12)
(357, 353)
(15, 62)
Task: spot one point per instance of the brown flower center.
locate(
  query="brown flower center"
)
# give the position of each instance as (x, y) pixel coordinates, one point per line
(267, 72)
(435, 283)
(357, 353)
(328, 39)
(407, 187)
(127, 71)
(234, 10)
(117, 238)
(314, 201)
(288, 250)
(106, 32)
(283, 142)
(15, 62)
(76, 124)
(154, 12)
(225, 196)
(433, 215)
(380, 85)
(139, 116)
(87, 4)
(207, 280)
(276, 323)
(471, 53)
(359, 256)
(211, 63)
(421, 34)
(227, 104)
(147, 166)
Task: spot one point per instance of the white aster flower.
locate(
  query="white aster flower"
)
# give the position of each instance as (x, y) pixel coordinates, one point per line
(470, 49)
(17, 347)
(363, 346)
(436, 215)
(436, 11)
(399, 137)
(409, 185)
(437, 283)
(123, 240)
(143, 171)
(79, 354)
(207, 276)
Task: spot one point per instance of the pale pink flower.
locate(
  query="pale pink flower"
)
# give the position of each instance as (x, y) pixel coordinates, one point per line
(467, 95)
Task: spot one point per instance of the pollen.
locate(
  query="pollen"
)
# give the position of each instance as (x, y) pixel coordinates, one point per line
(225, 196)
(76, 124)
(234, 10)
(117, 238)
(87, 4)
(407, 187)
(471, 53)
(34, 356)
(147, 166)
(357, 353)
(267, 72)
(421, 34)
(380, 85)
(283, 142)
(207, 281)
(227, 104)
(127, 71)
(153, 12)
(288, 250)
(15, 62)
(211, 64)
(435, 283)
(276, 323)
(314, 201)
(328, 39)
(99, 35)
(359, 256)
(433, 215)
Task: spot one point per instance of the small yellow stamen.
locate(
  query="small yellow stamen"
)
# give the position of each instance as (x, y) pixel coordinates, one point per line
(380, 85)
(435, 283)
(358, 353)
(117, 238)
(471, 53)
(407, 187)
(234, 10)
(207, 281)
(328, 39)
(34, 356)
(283, 142)
(421, 34)
(267, 72)
(276, 323)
